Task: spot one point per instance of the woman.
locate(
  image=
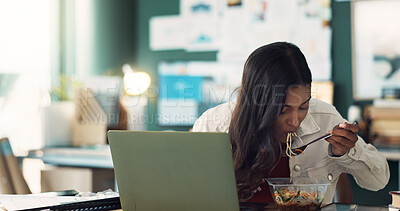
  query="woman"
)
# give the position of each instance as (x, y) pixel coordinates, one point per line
(274, 100)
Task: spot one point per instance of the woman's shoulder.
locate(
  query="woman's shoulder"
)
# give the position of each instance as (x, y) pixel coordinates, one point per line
(224, 107)
(320, 107)
(215, 119)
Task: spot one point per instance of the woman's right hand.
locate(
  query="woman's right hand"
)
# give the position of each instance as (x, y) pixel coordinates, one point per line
(344, 137)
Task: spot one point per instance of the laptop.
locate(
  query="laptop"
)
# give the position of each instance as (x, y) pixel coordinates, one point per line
(173, 170)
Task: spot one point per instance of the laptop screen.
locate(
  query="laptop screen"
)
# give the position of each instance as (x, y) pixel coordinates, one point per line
(174, 170)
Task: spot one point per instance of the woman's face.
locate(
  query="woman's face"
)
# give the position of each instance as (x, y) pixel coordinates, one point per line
(294, 111)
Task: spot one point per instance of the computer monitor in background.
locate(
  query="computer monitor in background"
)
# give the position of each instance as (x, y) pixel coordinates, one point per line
(187, 89)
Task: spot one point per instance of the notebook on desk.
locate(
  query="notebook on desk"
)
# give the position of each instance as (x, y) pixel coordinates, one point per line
(173, 170)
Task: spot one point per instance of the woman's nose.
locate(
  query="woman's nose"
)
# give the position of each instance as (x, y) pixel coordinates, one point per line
(293, 120)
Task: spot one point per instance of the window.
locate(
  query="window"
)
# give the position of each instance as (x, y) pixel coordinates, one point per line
(26, 60)
(376, 47)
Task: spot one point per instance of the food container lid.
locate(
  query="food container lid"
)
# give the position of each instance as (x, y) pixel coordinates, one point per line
(296, 182)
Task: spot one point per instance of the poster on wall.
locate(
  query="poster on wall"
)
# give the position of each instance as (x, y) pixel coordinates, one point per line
(187, 89)
(202, 24)
(167, 33)
(258, 22)
(376, 57)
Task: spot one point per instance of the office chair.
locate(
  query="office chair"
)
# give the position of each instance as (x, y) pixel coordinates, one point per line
(13, 182)
(343, 193)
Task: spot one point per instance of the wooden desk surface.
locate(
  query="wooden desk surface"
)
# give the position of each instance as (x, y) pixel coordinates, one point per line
(329, 207)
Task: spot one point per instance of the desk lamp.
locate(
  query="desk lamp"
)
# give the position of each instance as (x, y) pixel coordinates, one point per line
(135, 85)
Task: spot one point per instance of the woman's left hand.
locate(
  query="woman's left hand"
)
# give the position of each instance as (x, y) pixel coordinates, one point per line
(344, 137)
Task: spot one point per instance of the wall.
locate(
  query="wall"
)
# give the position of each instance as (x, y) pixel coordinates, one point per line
(341, 56)
(114, 35)
(147, 60)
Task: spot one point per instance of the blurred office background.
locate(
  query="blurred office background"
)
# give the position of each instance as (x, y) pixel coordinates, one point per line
(157, 65)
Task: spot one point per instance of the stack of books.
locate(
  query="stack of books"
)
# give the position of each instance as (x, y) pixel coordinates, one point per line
(395, 205)
(385, 122)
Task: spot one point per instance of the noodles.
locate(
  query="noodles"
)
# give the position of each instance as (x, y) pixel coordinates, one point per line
(289, 151)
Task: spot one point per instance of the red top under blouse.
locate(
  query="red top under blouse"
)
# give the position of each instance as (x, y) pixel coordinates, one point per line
(281, 170)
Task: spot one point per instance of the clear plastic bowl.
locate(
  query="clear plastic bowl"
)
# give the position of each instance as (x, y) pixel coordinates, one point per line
(300, 194)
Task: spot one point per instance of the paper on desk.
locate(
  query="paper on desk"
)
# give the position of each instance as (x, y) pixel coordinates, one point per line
(19, 202)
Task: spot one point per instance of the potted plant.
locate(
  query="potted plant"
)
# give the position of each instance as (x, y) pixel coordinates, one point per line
(57, 117)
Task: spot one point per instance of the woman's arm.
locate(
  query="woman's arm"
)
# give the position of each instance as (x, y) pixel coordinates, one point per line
(368, 166)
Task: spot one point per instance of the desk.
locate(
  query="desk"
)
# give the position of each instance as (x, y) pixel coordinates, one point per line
(95, 161)
(330, 207)
(392, 154)
(91, 157)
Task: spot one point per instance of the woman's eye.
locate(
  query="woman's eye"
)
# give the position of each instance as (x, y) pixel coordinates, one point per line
(303, 108)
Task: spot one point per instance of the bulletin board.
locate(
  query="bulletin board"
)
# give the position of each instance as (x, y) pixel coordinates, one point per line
(235, 28)
(376, 47)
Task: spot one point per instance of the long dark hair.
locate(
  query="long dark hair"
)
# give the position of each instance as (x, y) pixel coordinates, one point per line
(268, 74)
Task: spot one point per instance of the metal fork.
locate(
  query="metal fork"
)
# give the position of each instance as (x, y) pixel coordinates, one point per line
(300, 150)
